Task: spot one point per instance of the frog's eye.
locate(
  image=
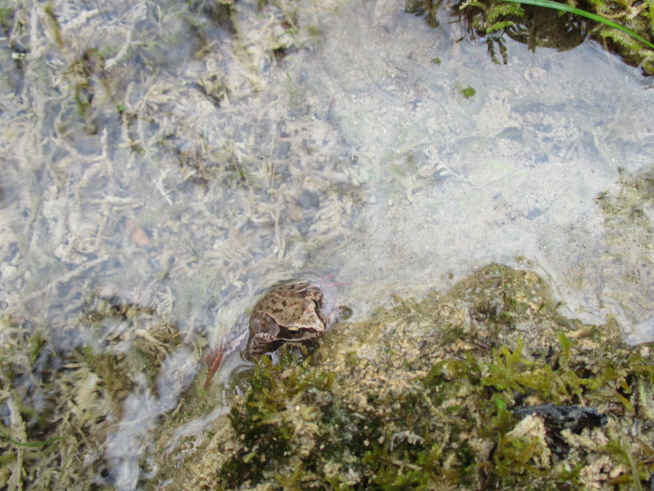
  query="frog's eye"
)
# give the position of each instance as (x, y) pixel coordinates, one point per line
(290, 333)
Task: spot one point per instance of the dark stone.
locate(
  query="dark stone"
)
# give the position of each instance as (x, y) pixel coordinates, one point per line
(559, 418)
(574, 418)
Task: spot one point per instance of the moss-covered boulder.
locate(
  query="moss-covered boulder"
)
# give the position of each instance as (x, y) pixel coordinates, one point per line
(459, 391)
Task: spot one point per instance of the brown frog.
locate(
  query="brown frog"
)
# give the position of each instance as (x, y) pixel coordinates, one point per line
(290, 312)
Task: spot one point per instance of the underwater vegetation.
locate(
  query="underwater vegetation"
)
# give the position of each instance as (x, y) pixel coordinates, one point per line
(486, 387)
(468, 92)
(61, 405)
(620, 27)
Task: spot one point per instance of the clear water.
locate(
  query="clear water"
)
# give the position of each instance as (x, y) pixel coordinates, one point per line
(218, 157)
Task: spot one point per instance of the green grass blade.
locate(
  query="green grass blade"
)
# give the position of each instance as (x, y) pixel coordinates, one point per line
(28, 445)
(566, 8)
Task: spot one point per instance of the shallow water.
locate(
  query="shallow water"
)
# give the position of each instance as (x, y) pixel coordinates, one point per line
(171, 158)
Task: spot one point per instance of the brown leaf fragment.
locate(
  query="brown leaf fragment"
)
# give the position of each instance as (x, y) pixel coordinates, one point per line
(139, 237)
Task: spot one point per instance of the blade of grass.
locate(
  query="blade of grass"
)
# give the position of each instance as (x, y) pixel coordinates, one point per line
(28, 445)
(566, 8)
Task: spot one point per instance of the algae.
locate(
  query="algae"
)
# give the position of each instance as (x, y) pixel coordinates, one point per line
(468, 92)
(61, 407)
(425, 395)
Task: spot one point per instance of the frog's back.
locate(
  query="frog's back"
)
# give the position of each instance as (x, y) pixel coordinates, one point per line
(283, 304)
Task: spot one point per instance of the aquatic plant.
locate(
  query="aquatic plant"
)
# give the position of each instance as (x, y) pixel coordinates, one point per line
(598, 18)
(59, 407)
(468, 92)
(625, 28)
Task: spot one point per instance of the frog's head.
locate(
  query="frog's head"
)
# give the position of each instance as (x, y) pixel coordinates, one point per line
(307, 323)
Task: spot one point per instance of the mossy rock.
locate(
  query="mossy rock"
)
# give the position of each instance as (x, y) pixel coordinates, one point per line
(423, 396)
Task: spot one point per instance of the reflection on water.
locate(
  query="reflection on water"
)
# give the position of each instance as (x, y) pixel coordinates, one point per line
(179, 158)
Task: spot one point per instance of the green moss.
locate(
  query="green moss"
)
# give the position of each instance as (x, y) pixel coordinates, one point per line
(266, 421)
(426, 8)
(542, 27)
(469, 92)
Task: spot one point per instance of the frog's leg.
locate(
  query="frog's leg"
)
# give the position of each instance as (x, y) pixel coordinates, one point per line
(260, 341)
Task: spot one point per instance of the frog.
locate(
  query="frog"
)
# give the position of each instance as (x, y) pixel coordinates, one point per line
(291, 311)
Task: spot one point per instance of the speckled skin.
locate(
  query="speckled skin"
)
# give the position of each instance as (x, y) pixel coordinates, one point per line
(288, 313)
